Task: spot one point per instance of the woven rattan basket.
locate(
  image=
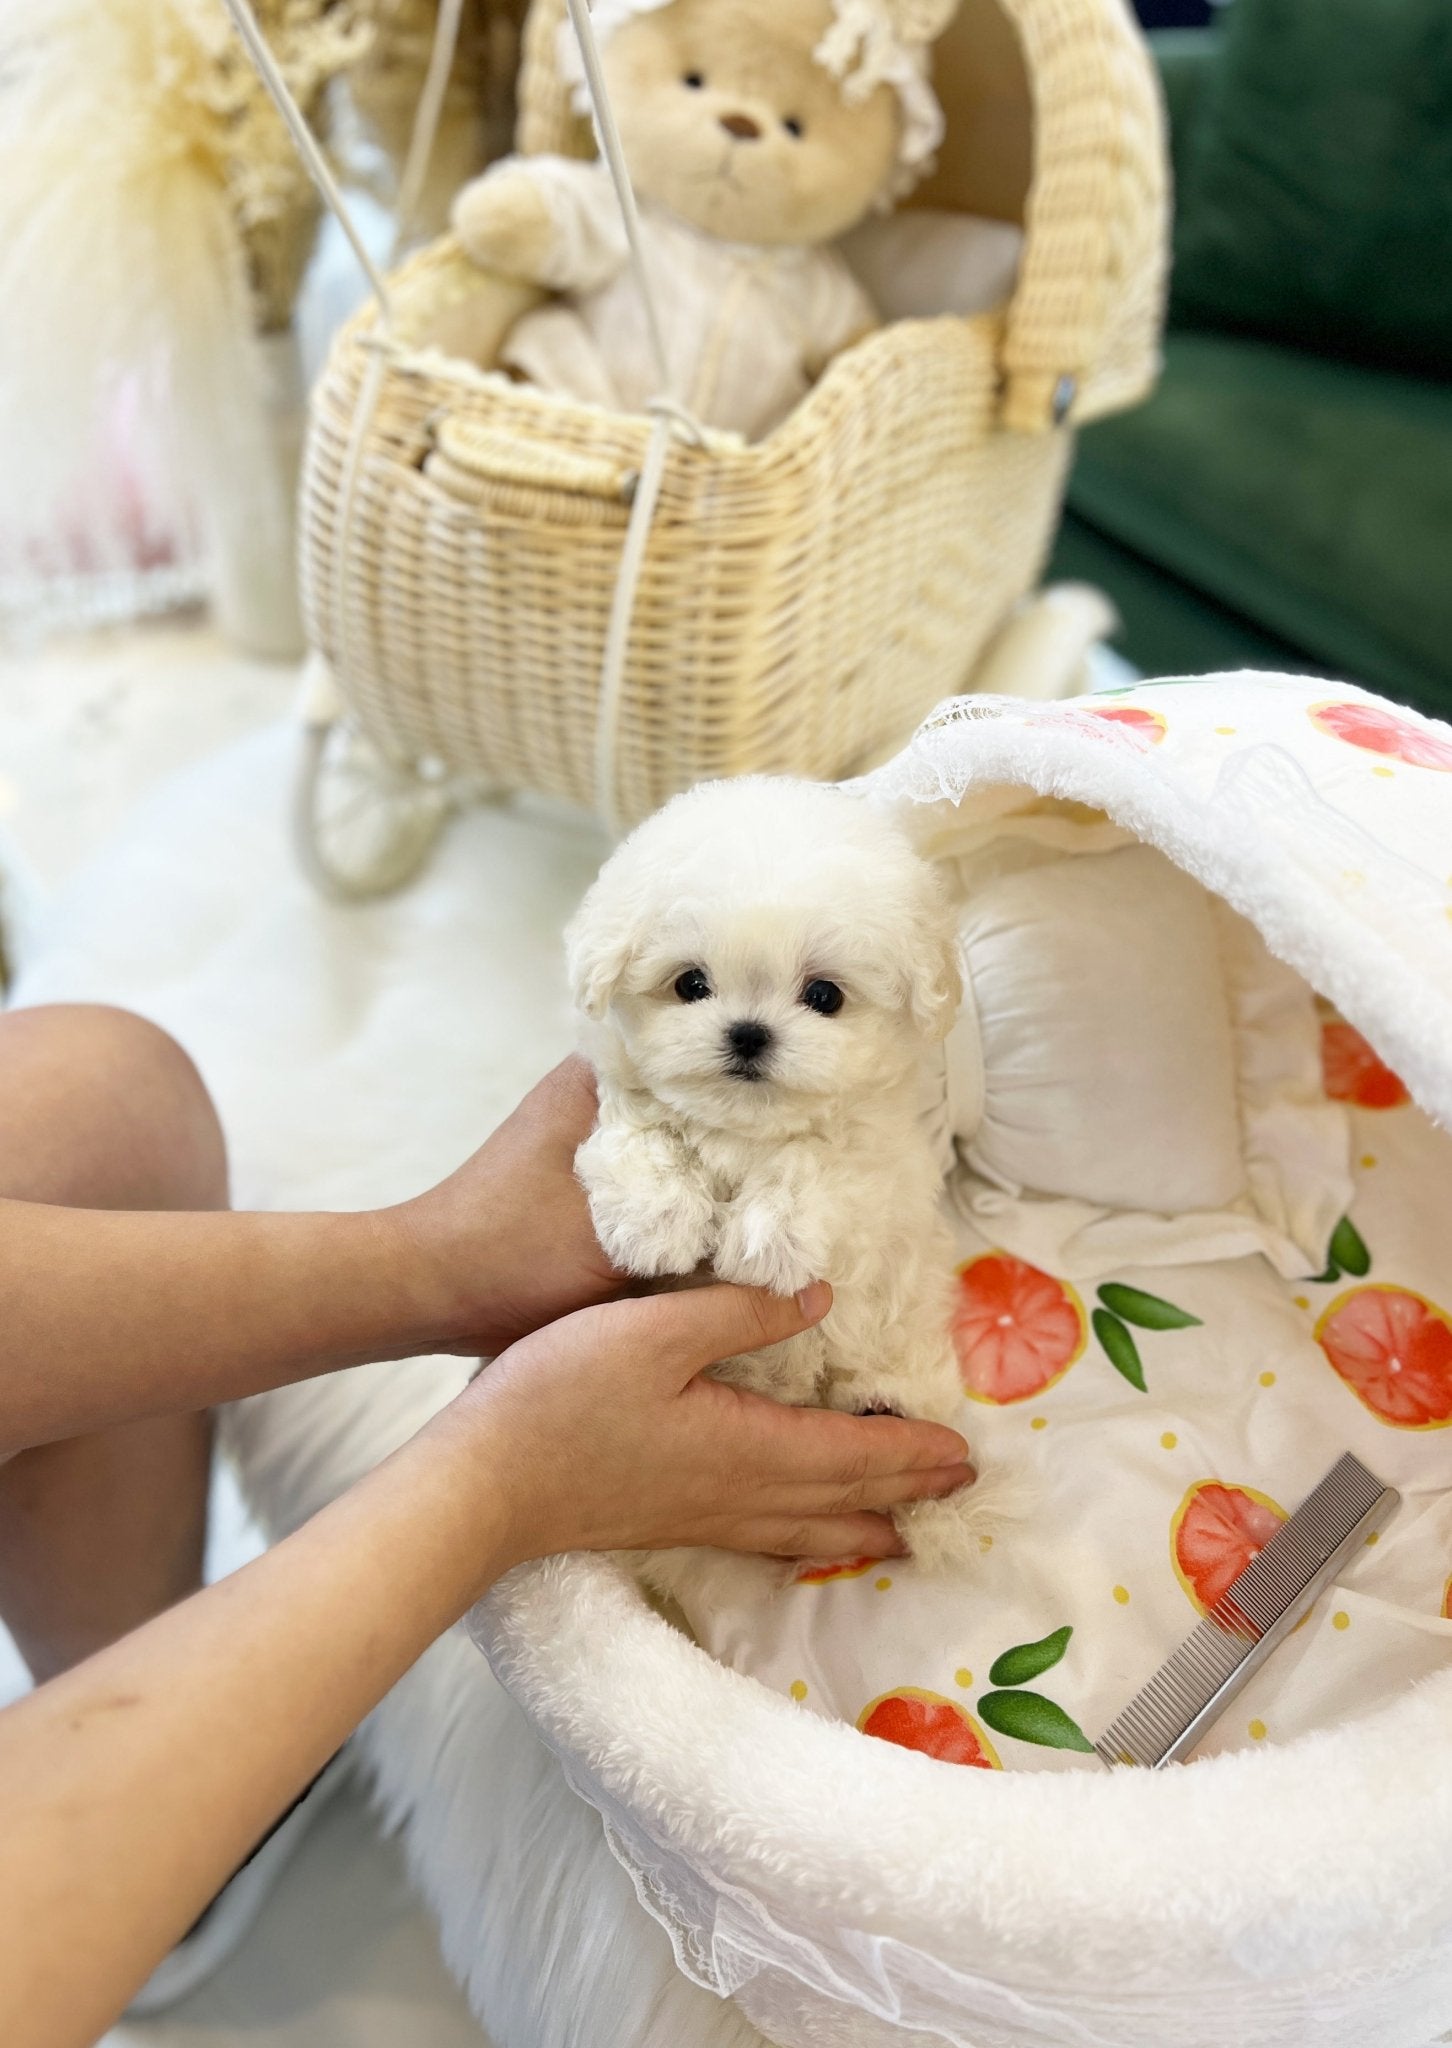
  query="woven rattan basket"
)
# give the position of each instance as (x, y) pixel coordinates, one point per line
(803, 600)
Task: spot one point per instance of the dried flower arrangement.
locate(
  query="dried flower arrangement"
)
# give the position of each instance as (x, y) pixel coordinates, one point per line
(155, 225)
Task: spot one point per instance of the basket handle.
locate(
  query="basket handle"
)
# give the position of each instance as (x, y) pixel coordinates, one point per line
(505, 458)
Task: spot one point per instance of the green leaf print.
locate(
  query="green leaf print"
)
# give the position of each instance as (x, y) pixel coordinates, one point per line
(1032, 1718)
(1348, 1250)
(1119, 1347)
(1026, 1660)
(1145, 1311)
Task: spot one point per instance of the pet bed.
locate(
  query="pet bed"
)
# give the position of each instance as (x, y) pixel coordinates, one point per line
(1296, 1885)
(845, 1890)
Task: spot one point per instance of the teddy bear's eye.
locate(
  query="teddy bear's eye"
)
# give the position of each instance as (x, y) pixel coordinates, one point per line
(694, 79)
(692, 986)
(824, 997)
(795, 128)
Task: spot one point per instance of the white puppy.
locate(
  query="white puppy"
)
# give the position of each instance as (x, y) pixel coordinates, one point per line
(763, 964)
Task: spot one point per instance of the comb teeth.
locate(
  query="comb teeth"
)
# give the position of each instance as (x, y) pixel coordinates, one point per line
(1167, 1716)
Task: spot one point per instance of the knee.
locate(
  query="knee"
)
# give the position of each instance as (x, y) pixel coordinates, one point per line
(128, 1106)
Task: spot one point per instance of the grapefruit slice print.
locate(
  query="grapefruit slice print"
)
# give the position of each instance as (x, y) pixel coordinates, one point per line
(1352, 1072)
(1393, 1348)
(1377, 730)
(1216, 1532)
(1016, 1329)
(925, 1720)
(818, 1575)
(1144, 727)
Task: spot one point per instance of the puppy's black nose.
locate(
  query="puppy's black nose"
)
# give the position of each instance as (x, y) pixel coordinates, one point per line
(748, 1041)
(741, 126)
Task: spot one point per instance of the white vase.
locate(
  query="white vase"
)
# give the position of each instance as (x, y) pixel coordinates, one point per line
(251, 522)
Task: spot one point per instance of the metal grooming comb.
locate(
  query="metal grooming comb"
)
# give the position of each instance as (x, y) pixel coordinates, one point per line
(1191, 1689)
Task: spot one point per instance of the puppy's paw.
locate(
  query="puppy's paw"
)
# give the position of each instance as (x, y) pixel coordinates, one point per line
(649, 1236)
(650, 1217)
(950, 1535)
(762, 1245)
(504, 223)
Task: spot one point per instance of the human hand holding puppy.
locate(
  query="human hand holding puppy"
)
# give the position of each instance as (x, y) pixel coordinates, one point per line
(667, 1455)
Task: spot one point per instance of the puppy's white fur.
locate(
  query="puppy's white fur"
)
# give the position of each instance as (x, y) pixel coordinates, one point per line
(809, 1161)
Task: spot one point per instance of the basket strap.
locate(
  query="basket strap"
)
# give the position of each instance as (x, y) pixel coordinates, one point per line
(426, 118)
(614, 154)
(668, 418)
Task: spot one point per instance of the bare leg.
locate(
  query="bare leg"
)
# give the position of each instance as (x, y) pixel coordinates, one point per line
(100, 1110)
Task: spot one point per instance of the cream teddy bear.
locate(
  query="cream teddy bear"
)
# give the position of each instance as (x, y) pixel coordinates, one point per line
(756, 132)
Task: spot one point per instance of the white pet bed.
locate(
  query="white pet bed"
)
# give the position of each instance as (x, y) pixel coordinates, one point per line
(843, 1891)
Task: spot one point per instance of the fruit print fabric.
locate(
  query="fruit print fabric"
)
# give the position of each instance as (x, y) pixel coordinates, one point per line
(1137, 724)
(1352, 1072)
(1016, 1329)
(926, 1721)
(1241, 1415)
(1393, 1348)
(1216, 1533)
(1378, 730)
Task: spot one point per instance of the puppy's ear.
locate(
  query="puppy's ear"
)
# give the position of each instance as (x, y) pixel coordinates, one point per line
(936, 988)
(599, 948)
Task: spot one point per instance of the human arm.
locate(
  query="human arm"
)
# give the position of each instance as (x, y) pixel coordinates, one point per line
(132, 1786)
(192, 1308)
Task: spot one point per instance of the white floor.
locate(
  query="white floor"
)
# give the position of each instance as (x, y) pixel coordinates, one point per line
(343, 1956)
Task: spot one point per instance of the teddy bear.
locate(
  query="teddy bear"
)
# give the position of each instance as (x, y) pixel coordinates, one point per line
(756, 133)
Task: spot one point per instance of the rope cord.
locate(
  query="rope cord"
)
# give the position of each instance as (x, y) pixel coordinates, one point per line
(614, 153)
(668, 416)
(427, 116)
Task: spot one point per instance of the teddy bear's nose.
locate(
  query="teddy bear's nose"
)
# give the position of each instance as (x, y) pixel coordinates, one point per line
(741, 126)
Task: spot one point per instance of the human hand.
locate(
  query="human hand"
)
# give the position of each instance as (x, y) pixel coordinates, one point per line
(602, 1432)
(506, 1242)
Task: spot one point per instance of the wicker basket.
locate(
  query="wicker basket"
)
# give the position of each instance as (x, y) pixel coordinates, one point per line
(803, 600)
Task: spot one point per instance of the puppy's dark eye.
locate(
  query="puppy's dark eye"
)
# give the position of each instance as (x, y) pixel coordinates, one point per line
(795, 128)
(824, 997)
(694, 80)
(692, 986)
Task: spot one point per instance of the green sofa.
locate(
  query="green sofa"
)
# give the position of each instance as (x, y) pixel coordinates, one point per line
(1284, 499)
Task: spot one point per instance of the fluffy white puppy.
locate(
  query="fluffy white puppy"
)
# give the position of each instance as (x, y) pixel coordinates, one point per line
(763, 965)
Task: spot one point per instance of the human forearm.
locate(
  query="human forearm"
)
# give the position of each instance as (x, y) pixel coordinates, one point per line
(133, 1787)
(109, 1316)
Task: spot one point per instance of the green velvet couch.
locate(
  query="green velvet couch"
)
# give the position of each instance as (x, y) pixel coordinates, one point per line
(1284, 499)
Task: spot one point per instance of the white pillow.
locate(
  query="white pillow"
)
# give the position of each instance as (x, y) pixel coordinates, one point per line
(921, 262)
(1132, 1076)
